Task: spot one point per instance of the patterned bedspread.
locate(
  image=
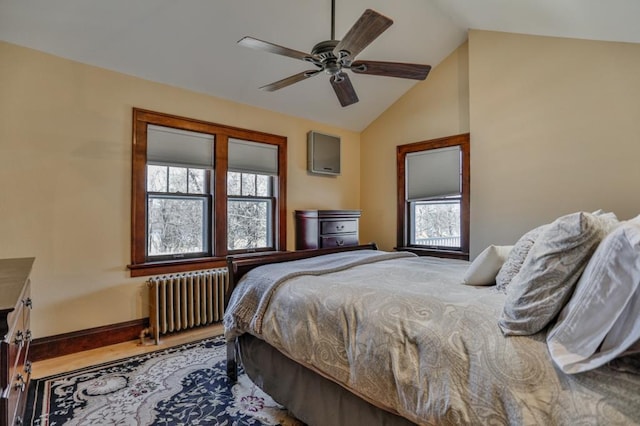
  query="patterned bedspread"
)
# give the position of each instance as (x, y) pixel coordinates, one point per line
(407, 336)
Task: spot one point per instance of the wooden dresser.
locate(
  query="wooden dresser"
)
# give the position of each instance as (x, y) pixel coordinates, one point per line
(15, 309)
(326, 228)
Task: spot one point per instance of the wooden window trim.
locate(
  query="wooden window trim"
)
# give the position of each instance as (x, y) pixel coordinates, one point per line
(141, 118)
(463, 141)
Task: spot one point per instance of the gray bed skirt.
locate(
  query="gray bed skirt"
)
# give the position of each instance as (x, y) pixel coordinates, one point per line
(310, 397)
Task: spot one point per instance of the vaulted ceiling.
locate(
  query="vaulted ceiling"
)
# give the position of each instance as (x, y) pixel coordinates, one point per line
(192, 44)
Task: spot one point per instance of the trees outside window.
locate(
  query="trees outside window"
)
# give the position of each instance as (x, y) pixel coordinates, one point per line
(436, 223)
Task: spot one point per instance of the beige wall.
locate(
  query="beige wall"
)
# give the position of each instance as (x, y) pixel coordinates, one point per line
(436, 107)
(555, 128)
(65, 172)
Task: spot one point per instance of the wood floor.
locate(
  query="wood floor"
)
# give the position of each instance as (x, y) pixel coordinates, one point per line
(121, 350)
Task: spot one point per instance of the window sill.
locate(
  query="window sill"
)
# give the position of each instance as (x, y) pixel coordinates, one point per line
(188, 265)
(175, 266)
(448, 254)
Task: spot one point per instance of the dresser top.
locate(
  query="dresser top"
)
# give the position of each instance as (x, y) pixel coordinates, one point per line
(13, 274)
(329, 213)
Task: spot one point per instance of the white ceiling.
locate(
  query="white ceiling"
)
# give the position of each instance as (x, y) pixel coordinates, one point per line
(192, 43)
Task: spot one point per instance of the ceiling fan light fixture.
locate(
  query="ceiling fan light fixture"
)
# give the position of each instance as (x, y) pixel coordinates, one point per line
(332, 67)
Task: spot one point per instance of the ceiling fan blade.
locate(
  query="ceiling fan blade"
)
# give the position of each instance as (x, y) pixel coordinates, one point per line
(366, 29)
(392, 69)
(254, 43)
(289, 80)
(344, 89)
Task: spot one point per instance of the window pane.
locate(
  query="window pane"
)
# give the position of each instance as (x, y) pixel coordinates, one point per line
(157, 178)
(263, 187)
(233, 183)
(196, 180)
(436, 223)
(178, 179)
(176, 226)
(249, 224)
(248, 184)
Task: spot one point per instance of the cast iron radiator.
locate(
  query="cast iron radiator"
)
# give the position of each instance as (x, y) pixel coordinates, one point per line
(183, 301)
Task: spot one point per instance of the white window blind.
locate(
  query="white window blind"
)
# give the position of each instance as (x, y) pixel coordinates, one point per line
(434, 173)
(167, 146)
(252, 157)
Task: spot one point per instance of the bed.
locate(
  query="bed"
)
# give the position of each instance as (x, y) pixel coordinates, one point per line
(364, 337)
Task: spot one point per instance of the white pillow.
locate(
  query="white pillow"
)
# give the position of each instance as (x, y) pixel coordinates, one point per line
(550, 271)
(602, 319)
(485, 267)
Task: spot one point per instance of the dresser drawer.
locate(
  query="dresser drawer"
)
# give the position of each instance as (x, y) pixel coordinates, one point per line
(15, 310)
(16, 394)
(10, 349)
(326, 228)
(338, 226)
(339, 241)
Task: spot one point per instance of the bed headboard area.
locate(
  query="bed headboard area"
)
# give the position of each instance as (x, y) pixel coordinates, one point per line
(241, 264)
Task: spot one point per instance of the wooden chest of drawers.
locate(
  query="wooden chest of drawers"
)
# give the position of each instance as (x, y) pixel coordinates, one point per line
(326, 228)
(15, 367)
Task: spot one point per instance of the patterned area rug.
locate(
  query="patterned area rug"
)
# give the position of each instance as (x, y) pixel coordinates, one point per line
(185, 385)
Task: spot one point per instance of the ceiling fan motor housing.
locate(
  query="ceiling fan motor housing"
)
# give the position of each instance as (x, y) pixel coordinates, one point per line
(331, 64)
(324, 49)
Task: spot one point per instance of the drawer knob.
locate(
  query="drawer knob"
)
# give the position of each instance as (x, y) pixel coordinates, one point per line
(28, 302)
(19, 338)
(340, 242)
(20, 383)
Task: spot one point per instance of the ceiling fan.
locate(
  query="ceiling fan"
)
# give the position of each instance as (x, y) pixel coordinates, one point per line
(333, 57)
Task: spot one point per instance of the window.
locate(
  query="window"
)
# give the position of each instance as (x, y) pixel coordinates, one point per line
(433, 197)
(201, 191)
(250, 199)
